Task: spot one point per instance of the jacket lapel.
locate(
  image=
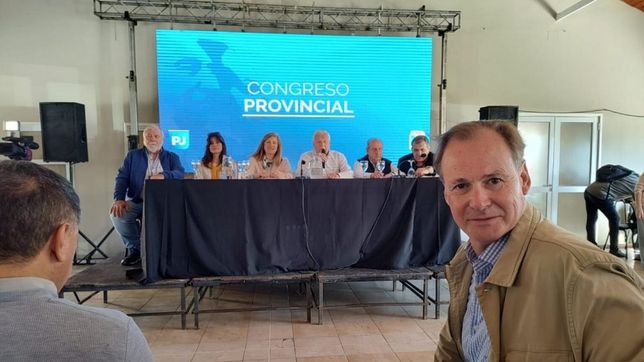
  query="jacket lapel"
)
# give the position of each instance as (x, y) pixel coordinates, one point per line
(459, 290)
(491, 293)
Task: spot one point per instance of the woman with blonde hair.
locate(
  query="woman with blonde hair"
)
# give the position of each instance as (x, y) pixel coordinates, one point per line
(210, 165)
(267, 161)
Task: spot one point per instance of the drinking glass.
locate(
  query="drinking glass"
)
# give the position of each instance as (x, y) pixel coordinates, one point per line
(364, 164)
(195, 166)
(380, 166)
(227, 168)
(242, 167)
(411, 172)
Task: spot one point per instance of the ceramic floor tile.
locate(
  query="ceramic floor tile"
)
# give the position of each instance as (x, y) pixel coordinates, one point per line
(258, 331)
(151, 323)
(373, 357)
(233, 333)
(173, 348)
(282, 348)
(326, 316)
(409, 342)
(323, 359)
(432, 327)
(174, 336)
(257, 350)
(281, 330)
(173, 357)
(221, 345)
(387, 311)
(318, 347)
(312, 330)
(397, 324)
(353, 345)
(386, 333)
(347, 312)
(360, 327)
(416, 356)
(231, 355)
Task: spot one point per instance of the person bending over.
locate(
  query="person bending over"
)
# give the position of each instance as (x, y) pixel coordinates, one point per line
(601, 195)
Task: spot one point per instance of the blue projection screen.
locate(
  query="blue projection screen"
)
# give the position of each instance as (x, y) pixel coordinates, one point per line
(245, 85)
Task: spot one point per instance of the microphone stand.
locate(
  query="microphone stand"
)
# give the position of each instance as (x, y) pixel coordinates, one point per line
(301, 176)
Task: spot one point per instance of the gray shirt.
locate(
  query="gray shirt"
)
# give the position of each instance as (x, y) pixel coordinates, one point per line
(35, 325)
(621, 189)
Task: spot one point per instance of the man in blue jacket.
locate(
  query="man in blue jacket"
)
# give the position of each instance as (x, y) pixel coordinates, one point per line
(150, 162)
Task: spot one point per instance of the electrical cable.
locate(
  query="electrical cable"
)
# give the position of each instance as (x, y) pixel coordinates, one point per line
(306, 228)
(382, 209)
(590, 111)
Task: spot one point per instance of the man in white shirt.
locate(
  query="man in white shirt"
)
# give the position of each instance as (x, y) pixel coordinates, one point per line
(40, 212)
(322, 162)
(371, 160)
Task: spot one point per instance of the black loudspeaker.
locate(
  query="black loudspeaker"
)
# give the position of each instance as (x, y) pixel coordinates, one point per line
(503, 113)
(64, 136)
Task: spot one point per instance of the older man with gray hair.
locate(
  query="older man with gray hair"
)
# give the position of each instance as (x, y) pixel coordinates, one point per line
(40, 213)
(151, 162)
(322, 161)
(372, 160)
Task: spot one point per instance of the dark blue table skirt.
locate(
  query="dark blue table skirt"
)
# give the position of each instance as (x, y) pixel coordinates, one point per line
(246, 227)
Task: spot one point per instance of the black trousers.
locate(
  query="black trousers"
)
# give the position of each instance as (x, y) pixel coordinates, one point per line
(607, 207)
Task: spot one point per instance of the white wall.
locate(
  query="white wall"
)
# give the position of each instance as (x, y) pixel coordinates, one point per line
(507, 52)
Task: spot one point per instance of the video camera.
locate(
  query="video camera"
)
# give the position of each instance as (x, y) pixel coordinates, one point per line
(18, 148)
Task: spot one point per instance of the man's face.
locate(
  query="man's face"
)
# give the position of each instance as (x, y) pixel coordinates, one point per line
(321, 142)
(419, 149)
(153, 139)
(483, 188)
(374, 151)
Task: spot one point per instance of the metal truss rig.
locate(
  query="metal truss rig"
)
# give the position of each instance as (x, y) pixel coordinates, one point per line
(284, 17)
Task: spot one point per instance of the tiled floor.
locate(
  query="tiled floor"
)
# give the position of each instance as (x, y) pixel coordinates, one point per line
(348, 334)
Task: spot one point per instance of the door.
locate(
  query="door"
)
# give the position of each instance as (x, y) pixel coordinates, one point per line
(562, 154)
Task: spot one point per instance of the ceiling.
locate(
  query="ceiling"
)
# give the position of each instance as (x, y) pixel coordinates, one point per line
(639, 4)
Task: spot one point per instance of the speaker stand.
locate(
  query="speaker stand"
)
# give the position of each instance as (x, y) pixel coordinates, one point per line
(96, 247)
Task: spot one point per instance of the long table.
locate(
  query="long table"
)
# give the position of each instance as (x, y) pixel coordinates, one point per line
(199, 228)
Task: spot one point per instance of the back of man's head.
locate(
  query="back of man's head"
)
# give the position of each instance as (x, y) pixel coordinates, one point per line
(34, 201)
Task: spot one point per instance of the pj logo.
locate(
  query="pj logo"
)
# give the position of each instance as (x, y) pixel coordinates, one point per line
(179, 138)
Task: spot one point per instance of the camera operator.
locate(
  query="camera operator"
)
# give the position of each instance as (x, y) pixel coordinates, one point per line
(18, 148)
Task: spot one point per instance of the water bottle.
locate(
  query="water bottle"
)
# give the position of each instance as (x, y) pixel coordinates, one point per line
(225, 173)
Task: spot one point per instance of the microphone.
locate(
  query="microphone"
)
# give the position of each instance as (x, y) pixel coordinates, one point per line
(323, 162)
(302, 168)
